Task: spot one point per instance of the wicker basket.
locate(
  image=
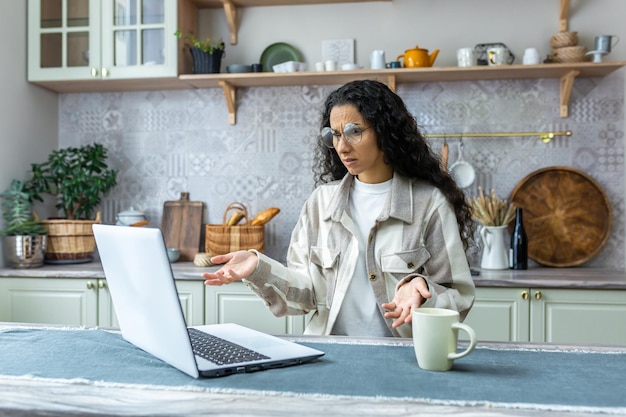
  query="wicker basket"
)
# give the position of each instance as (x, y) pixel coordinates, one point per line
(569, 54)
(221, 239)
(563, 39)
(70, 240)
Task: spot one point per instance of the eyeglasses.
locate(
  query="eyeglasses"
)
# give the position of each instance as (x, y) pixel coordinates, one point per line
(352, 133)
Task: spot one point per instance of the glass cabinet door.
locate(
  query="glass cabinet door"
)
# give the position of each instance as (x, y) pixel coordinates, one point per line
(138, 38)
(62, 37)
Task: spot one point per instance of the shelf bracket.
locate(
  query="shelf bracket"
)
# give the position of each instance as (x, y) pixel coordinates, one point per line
(567, 82)
(391, 82)
(231, 17)
(229, 94)
(563, 15)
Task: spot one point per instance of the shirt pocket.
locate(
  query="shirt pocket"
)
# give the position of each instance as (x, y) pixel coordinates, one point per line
(405, 262)
(325, 263)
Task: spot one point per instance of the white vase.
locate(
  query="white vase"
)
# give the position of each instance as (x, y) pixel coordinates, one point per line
(495, 247)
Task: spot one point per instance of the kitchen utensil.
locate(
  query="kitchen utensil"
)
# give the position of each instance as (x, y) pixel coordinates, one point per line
(377, 59)
(567, 216)
(495, 247)
(462, 171)
(604, 43)
(444, 155)
(418, 57)
(498, 56)
(482, 57)
(277, 53)
(129, 217)
(531, 57)
(173, 254)
(181, 225)
(466, 57)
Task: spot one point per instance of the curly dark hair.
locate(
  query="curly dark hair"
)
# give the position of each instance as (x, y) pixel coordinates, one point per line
(401, 141)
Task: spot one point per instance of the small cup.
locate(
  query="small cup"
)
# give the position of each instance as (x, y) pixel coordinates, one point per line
(435, 338)
(173, 254)
(604, 43)
(395, 64)
(330, 65)
(319, 66)
(498, 56)
(257, 67)
(531, 57)
(466, 57)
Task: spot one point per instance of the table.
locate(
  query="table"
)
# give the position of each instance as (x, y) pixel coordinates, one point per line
(26, 388)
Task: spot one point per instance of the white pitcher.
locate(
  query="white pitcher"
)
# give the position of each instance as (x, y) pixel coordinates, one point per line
(495, 250)
(377, 59)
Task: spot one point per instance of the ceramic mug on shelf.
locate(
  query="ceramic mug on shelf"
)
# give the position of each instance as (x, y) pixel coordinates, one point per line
(466, 57)
(531, 57)
(435, 338)
(604, 43)
(498, 56)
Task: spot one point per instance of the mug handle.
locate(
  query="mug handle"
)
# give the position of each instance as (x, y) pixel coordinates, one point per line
(616, 40)
(472, 343)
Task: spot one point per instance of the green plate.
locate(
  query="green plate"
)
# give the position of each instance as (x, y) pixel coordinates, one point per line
(277, 53)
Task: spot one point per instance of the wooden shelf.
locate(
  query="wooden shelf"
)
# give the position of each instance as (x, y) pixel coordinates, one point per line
(232, 6)
(566, 73)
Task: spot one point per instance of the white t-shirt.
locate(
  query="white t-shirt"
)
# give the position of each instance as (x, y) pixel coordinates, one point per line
(359, 314)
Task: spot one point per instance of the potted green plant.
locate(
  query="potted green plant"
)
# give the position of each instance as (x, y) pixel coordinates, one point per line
(206, 53)
(24, 237)
(78, 177)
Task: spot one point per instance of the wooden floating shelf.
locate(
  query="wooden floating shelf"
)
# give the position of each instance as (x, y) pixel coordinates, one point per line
(566, 73)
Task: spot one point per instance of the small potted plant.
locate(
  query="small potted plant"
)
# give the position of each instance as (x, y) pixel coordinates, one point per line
(24, 237)
(206, 53)
(78, 178)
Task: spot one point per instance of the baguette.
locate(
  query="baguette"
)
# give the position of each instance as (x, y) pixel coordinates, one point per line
(264, 216)
(235, 218)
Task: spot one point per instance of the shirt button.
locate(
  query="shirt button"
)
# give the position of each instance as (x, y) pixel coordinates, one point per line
(372, 277)
(410, 265)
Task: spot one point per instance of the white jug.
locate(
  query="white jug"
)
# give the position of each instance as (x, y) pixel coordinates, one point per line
(377, 59)
(495, 250)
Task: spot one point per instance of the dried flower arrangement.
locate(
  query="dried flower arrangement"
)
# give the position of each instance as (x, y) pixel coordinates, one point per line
(492, 211)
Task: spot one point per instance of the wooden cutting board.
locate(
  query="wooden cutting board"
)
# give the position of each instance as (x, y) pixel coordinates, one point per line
(181, 225)
(567, 216)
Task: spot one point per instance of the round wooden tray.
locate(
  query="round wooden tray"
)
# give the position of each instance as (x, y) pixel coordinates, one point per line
(567, 216)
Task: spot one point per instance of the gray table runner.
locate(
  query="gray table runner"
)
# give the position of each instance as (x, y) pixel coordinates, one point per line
(518, 378)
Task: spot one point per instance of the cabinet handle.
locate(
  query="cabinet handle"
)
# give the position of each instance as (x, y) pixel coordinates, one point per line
(102, 284)
(94, 72)
(538, 295)
(524, 295)
(105, 72)
(90, 285)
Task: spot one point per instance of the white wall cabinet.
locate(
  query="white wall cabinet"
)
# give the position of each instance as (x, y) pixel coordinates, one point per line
(549, 315)
(72, 40)
(236, 303)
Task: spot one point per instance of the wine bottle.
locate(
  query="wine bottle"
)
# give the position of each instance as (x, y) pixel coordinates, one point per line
(519, 243)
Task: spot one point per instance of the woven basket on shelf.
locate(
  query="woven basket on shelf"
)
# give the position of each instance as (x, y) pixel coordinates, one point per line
(563, 39)
(70, 240)
(569, 54)
(221, 238)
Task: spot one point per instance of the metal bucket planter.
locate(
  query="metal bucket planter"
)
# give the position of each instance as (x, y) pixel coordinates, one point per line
(25, 251)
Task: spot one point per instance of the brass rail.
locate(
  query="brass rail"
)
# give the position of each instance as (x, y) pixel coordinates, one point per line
(546, 137)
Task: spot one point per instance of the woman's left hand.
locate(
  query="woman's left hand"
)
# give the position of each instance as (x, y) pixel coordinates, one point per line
(409, 296)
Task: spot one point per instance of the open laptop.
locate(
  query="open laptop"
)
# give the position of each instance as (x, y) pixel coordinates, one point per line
(140, 280)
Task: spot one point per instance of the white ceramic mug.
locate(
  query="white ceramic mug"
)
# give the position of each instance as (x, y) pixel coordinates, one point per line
(330, 65)
(377, 59)
(435, 338)
(531, 56)
(604, 43)
(498, 56)
(466, 57)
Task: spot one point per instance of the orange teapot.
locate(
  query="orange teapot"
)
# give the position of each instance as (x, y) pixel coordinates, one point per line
(418, 57)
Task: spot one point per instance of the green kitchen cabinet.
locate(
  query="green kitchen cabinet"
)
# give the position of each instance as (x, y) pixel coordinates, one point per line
(589, 316)
(236, 303)
(79, 301)
(101, 39)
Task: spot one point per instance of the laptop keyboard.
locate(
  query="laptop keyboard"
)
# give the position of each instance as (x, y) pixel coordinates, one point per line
(220, 351)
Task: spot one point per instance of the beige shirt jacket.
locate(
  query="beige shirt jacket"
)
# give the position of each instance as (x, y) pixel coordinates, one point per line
(416, 235)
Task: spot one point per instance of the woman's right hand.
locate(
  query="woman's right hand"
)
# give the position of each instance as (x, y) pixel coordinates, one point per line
(237, 266)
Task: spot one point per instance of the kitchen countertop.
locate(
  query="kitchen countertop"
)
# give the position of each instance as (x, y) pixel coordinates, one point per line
(585, 278)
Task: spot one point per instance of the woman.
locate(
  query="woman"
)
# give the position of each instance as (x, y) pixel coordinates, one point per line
(384, 232)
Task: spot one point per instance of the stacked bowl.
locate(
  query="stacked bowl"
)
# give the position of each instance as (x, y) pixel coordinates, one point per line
(565, 48)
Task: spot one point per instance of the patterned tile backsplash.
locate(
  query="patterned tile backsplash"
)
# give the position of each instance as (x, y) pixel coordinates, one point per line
(166, 142)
